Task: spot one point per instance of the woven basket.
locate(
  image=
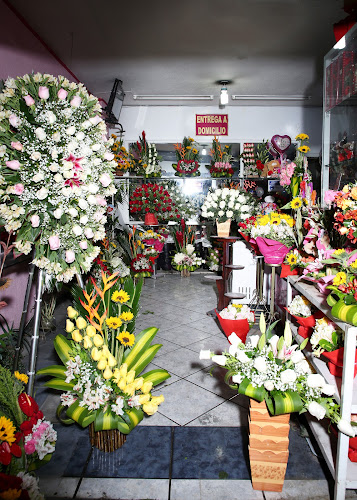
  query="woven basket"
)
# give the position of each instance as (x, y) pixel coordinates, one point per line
(106, 440)
(223, 228)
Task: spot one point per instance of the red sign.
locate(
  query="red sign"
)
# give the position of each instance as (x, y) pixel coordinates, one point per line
(211, 124)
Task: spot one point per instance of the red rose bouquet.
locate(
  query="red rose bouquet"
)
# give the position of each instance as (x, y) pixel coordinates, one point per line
(152, 198)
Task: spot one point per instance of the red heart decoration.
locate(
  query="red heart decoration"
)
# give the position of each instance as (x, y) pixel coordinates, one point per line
(281, 143)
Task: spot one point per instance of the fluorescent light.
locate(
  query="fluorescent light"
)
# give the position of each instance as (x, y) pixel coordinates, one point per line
(173, 97)
(271, 97)
(341, 44)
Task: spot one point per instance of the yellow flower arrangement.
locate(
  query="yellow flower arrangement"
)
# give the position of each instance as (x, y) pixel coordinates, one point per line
(126, 338)
(22, 377)
(302, 137)
(340, 279)
(121, 156)
(304, 149)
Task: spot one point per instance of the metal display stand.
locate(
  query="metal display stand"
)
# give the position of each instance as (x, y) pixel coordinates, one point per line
(258, 302)
(335, 453)
(273, 315)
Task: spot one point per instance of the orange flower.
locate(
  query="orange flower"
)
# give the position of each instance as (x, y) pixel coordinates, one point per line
(353, 193)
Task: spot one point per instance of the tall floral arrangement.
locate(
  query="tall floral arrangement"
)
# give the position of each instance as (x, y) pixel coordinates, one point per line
(187, 155)
(153, 198)
(103, 361)
(221, 163)
(226, 203)
(298, 167)
(185, 257)
(122, 156)
(56, 169)
(274, 369)
(110, 260)
(145, 157)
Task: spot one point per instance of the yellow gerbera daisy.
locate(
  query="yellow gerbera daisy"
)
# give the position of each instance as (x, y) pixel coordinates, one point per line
(340, 279)
(302, 137)
(120, 296)
(296, 203)
(291, 259)
(194, 151)
(113, 322)
(126, 338)
(262, 221)
(126, 316)
(22, 377)
(7, 430)
(275, 220)
(304, 149)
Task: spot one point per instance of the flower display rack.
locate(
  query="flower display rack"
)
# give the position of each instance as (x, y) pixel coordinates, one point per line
(336, 454)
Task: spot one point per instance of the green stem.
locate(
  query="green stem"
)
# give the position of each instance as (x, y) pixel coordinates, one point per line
(120, 355)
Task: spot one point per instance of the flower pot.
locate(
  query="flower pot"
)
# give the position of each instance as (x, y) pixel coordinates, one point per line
(307, 323)
(274, 252)
(268, 447)
(346, 313)
(335, 361)
(223, 228)
(239, 326)
(151, 219)
(107, 441)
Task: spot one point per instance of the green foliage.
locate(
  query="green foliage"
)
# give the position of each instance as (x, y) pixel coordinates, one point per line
(10, 388)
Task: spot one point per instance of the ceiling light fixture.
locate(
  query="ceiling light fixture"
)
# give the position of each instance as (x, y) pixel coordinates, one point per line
(271, 97)
(223, 96)
(173, 97)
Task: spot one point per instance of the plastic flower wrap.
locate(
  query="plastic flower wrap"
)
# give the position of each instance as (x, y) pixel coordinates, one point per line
(223, 204)
(275, 370)
(27, 439)
(145, 157)
(238, 311)
(275, 226)
(187, 155)
(103, 359)
(56, 169)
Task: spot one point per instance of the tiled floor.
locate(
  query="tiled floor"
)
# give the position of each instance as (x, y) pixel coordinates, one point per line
(196, 446)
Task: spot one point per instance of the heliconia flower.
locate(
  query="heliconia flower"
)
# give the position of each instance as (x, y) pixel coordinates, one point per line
(29, 100)
(62, 94)
(13, 164)
(43, 92)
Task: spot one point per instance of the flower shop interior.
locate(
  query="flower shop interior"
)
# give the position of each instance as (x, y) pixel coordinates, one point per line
(178, 259)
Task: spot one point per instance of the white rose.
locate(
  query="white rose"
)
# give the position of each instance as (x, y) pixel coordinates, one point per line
(77, 230)
(68, 174)
(40, 134)
(58, 178)
(97, 161)
(56, 136)
(229, 214)
(242, 357)
(36, 155)
(245, 208)
(241, 198)
(80, 136)
(93, 188)
(50, 117)
(222, 204)
(231, 204)
(303, 366)
(96, 147)
(260, 364)
(88, 232)
(225, 192)
(220, 359)
(329, 389)
(232, 350)
(205, 354)
(269, 385)
(217, 193)
(288, 376)
(316, 410)
(234, 339)
(254, 339)
(237, 379)
(83, 220)
(58, 213)
(297, 356)
(92, 200)
(73, 212)
(42, 193)
(315, 380)
(83, 204)
(38, 177)
(71, 130)
(72, 146)
(214, 197)
(220, 213)
(53, 167)
(86, 124)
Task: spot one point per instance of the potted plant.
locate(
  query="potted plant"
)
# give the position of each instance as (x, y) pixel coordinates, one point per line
(187, 158)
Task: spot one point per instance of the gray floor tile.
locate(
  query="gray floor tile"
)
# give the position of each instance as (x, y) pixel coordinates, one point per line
(304, 490)
(178, 401)
(228, 414)
(215, 343)
(196, 489)
(117, 488)
(212, 379)
(181, 362)
(58, 487)
(182, 335)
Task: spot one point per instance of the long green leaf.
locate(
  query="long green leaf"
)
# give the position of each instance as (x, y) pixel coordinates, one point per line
(141, 342)
(63, 348)
(105, 421)
(145, 358)
(135, 417)
(287, 402)
(81, 415)
(59, 384)
(53, 370)
(246, 388)
(156, 376)
(65, 421)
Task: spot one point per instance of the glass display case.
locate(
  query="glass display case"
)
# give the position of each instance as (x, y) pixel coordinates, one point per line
(340, 115)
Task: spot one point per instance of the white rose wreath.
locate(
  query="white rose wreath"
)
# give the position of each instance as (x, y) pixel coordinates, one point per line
(56, 169)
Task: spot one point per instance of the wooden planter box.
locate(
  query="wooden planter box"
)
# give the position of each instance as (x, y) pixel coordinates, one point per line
(268, 447)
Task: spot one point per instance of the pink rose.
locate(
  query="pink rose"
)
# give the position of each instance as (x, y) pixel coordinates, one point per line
(35, 221)
(43, 93)
(13, 164)
(62, 94)
(14, 121)
(29, 100)
(108, 156)
(88, 233)
(95, 120)
(105, 180)
(83, 245)
(19, 189)
(76, 101)
(17, 145)
(101, 201)
(30, 447)
(70, 256)
(54, 242)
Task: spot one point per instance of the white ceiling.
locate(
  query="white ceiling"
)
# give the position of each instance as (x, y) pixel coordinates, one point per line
(166, 47)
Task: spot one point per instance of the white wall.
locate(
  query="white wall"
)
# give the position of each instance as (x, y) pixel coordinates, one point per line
(245, 123)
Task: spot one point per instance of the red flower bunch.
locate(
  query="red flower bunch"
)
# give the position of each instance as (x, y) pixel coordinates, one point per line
(346, 212)
(152, 198)
(11, 487)
(187, 167)
(220, 169)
